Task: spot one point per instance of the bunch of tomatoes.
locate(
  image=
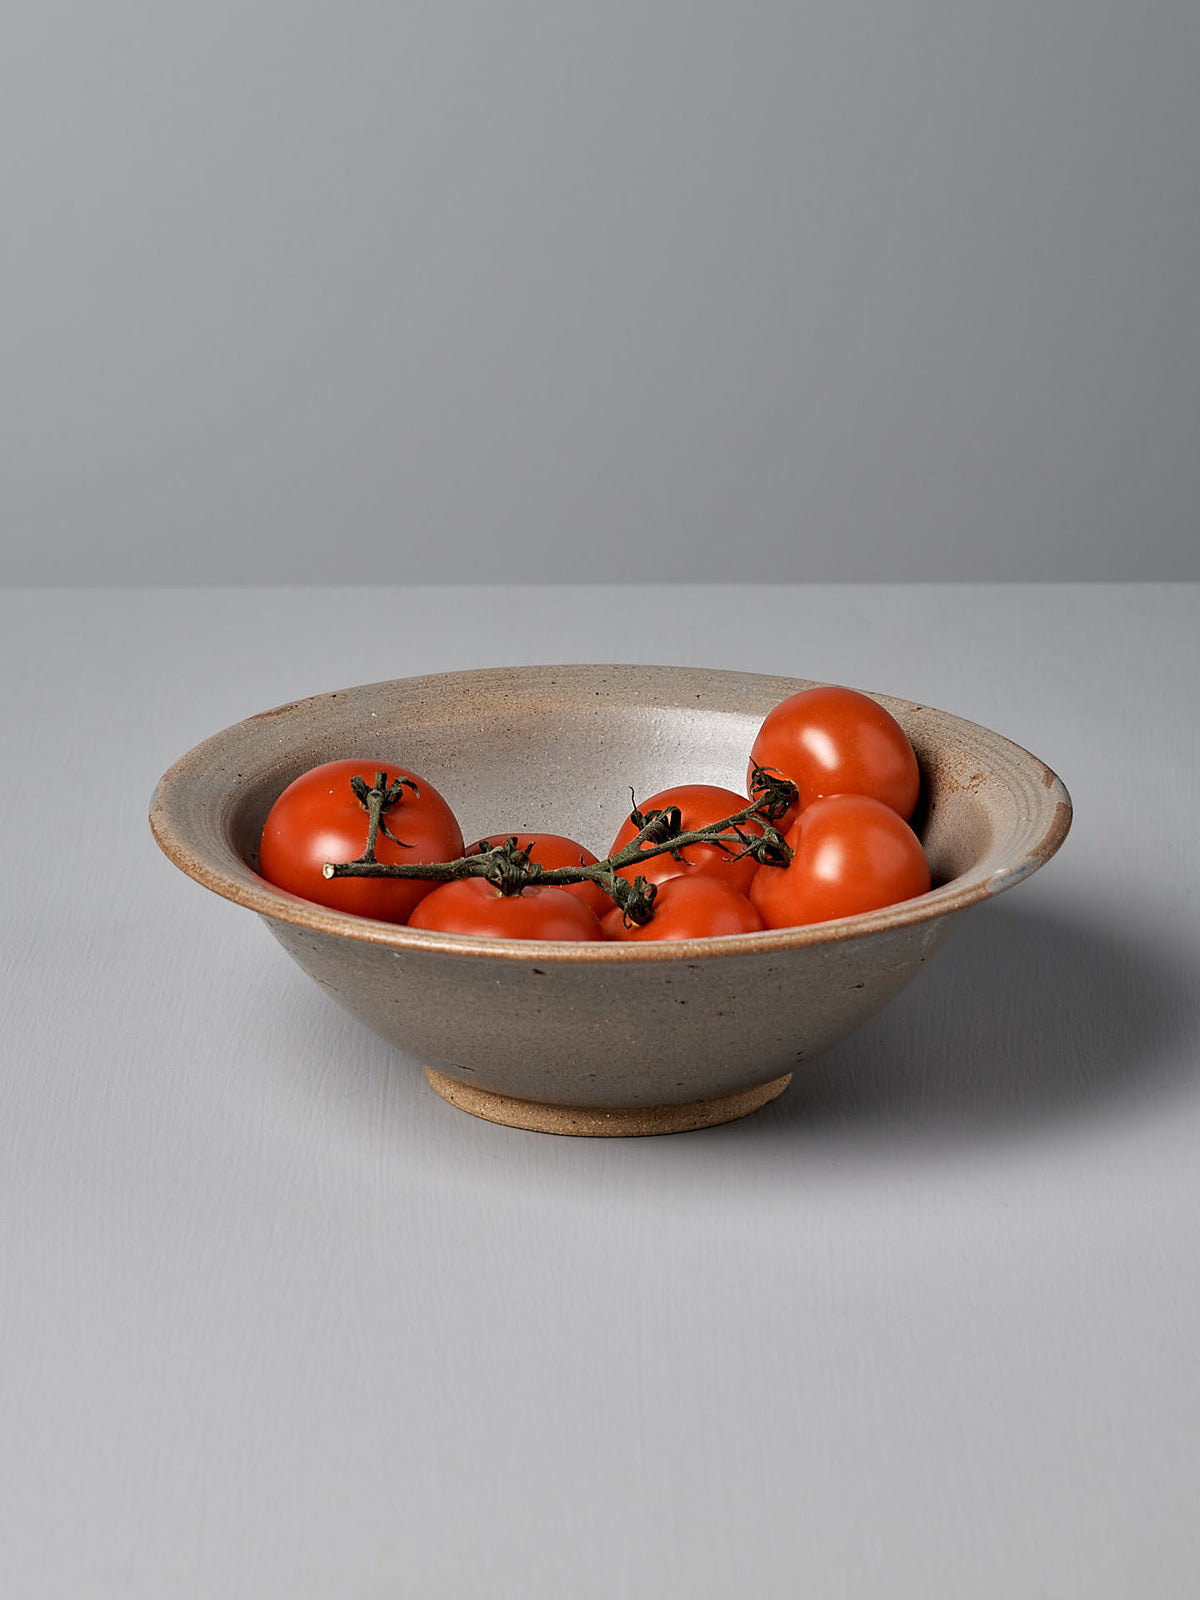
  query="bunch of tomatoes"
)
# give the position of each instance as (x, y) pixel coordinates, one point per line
(848, 844)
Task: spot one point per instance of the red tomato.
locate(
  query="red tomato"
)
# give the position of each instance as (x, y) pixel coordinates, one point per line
(852, 854)
(552, 850)
(473, 905)
(837, 741)
(319, 818)
(693, 906)
(701, 805)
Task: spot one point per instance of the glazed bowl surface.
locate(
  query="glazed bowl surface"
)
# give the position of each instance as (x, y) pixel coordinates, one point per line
(612, 1037)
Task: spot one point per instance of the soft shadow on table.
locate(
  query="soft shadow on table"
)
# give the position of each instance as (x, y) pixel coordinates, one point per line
(1025, 1018)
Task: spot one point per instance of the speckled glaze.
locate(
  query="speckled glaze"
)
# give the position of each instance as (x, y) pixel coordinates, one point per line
(594, 1038)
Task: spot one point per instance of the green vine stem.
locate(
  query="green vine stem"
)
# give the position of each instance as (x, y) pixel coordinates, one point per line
(510, 869)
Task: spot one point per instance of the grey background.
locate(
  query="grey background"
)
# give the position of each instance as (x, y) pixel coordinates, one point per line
(374, 292)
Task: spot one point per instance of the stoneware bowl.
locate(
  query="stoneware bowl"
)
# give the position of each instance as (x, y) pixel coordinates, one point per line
(610, 1038)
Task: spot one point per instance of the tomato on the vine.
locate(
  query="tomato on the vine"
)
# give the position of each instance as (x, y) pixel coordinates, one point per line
(693, 906)
(475, 906)
(700, 805)
(830, 740)
(551, 850)
(851, 854)
(319, 818)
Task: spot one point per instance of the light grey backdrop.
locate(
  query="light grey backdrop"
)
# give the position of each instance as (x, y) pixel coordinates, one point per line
(354, 292)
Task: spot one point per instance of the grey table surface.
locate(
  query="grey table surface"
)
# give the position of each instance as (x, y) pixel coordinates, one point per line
(277, 1322)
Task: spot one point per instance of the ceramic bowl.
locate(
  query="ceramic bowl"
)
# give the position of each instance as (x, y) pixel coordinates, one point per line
(612, 1038)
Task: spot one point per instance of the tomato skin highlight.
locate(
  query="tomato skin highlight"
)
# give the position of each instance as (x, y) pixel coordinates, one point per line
(690, 906)
(701, 805)
(318, 818)
(551, 850)
(830, 740)
(852, 854)
(475, 906)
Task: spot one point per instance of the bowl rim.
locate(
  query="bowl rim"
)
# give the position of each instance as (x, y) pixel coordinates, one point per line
(1042, 835)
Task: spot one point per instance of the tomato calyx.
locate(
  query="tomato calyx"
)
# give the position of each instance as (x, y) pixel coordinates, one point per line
(375, 801)
(658, 826)
(773, 793)
(509, 867)
(635, 900)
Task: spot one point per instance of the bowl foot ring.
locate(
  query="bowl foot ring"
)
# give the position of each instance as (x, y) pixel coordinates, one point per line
(603, 1122)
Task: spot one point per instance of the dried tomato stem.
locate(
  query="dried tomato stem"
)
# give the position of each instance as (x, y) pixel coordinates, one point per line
(512, 870)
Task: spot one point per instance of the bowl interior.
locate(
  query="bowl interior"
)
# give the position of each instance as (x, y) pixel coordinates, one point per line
(558, 750)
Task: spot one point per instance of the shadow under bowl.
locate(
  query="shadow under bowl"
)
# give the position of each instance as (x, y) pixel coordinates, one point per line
(612, 1038)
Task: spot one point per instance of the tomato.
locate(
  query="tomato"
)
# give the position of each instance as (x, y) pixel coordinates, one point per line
(473, 905)
(701, 805)
(692, 906)
(555, 850)
(319, 818)
(837, 741)
(852, 854)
